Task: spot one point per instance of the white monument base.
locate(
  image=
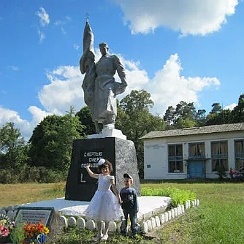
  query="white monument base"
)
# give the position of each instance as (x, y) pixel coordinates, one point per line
(108, 132)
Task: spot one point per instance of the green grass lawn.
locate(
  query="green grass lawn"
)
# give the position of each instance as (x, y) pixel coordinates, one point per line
(218, 219)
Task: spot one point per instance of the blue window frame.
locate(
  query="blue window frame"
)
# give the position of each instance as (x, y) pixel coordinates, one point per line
(239, 153)
(196, 150)
(175, 158)
(219, 155)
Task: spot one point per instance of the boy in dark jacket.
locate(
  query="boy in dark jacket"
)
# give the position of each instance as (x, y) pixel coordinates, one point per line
(129, 205)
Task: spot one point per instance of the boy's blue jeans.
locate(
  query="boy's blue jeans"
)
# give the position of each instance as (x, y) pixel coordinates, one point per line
(132, 214)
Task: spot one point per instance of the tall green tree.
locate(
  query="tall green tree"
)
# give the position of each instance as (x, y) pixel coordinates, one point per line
(137, 100)
(13, 148)
(182, 116)
(135, 120)
(218, 115)
(169, 117)
(85, 118)
(216, 108)
(237, 113)
(213, 117)
(201, 117)
(51, 141)
(185, 115)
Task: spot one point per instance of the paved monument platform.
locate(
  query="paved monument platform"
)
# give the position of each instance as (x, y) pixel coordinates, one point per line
(148, 206)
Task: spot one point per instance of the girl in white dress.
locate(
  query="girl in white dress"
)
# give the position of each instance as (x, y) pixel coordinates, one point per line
(104, 206)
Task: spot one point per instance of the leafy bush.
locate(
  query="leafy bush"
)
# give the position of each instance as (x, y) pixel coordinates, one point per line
(31, 174)
(178, 196)
(221, 173)
(44, 175)
(5, 176)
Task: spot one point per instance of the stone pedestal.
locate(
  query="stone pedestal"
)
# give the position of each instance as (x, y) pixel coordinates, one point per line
(121, 153)
(108, 132)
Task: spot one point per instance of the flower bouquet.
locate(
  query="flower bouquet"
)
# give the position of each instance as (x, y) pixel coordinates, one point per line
(6, 225)
(35, 233)
(29, 233)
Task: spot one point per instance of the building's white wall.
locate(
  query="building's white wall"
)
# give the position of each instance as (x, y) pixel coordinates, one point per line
(208, 165)
(231, 153)
(154, 159)
(156, 156)
(156, 153)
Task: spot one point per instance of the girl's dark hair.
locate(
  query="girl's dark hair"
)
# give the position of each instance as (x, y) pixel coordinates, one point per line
(106, 164)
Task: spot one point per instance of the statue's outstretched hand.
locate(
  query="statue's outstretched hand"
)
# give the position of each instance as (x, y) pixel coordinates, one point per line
(120, 87)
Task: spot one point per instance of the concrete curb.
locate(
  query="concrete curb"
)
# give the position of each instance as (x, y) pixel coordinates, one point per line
(148, 222)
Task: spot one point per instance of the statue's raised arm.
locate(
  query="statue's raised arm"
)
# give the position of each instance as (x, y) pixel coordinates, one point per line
(99, 85)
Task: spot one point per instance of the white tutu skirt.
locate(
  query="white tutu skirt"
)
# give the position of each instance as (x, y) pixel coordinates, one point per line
(104, 206)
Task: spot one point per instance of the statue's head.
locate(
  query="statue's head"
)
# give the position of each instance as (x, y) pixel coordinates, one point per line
(103, 44)
(103, 48)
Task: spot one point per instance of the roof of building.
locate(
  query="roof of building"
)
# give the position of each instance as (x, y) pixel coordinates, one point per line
(195, 131)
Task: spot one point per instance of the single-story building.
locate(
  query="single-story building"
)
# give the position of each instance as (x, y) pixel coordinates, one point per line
(193, 152)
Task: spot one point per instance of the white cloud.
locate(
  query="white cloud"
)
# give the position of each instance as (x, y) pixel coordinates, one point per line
(167, 87)
(7, 115)
(44, 21)
(76, 47)
(42, 36)
(230, 106)
(37, 115)
(186, 16)
(26, 127)
(63, 91)
(136, 77)
(62, 23)
(43, 17)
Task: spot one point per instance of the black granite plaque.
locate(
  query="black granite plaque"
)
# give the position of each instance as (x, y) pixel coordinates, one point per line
(121, 153)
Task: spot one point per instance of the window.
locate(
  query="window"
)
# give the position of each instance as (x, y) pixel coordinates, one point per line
(239, 153)
(175, 158)
(196, 150)
(219, 152)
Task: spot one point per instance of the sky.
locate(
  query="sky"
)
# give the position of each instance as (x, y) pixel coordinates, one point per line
(177, 50)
